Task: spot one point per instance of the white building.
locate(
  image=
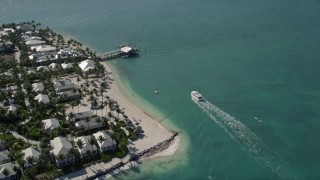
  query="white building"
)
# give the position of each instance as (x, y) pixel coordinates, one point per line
(61, 147)
(50, 124)
(66, 66)
(54, 66)
(31, 152)
(9, 167)
(37, 87)
(87, 65)
(107, 144)
(92, 124)
(86, 146)
(42, 98)
(44, 68)
(34, 42)
(44, 48)
(81, 116)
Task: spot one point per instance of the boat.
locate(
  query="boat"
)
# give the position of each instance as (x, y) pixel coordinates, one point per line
(196, 96)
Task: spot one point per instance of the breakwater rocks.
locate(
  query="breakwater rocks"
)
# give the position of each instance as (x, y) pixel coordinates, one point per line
(155, 149)
(117, 167)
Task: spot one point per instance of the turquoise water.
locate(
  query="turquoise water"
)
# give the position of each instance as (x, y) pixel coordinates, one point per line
(256, 60)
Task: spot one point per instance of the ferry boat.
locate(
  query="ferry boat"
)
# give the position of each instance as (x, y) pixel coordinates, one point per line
(196, 96)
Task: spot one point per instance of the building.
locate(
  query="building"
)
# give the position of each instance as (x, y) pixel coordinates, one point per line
(107, 143)
(31, 152)
(61, 147)
(66, 66)
(92, 124)
(87, 65)
(54, 66)
(44, 48)
(9, 168)
(37, 87)
(42, 98)
(13, 109)
(64, 85)
(43, 68)
(81, 116)
(34, 42)
(50, 124)
(4, 157)
(68, 95)
(86, 146)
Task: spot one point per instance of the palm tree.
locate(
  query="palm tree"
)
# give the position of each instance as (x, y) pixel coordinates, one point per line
(101, 139)
(118, 110)
(110, 115)
(6, 172)
(80, 144)
(92, 142)
(87, 121)
(30, 160)
(98, 121)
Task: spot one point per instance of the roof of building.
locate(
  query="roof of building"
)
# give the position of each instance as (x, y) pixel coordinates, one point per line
(9, 167)
(31, 152)
(44, 48)
(50, 124)
(45, 68)
(42, 98)
(32, 42)
(37, 87)
(66, 65)
(4, 155)
(69, 94)
(86, 145)
(81, 115)
(54, 65)
(92, 124)
(63, 85)
(108, 141)
(12, 108)
(86, 65)
(126, 49)
(61, 145)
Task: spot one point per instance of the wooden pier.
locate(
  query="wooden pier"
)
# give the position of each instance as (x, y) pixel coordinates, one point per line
(123, 51)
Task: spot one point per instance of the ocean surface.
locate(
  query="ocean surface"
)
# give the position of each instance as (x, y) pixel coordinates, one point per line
(255, 61)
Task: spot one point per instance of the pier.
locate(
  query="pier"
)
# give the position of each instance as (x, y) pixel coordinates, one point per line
(123, 51)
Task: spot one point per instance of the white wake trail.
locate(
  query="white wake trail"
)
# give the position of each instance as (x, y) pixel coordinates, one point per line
(249, 141)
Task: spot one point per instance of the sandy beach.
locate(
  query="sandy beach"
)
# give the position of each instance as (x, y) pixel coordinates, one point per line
(154, 133)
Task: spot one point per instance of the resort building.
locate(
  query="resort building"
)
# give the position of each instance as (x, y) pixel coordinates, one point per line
(42, 98)
(44, 48)
(34, 42)
(64, 85)
(66, 66)
(4, 156)
(80, 116)
(31, 153)
(87, 65)
(54, 66)
(12, 109)
(68, 95)
(61, 147)
(43, 68)
(37, 87)
(50, 124)
(11, 173)
(92, 124)
(105, 142)
(86, 146)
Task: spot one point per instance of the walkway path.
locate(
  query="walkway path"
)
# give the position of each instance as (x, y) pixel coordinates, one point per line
(15, 134)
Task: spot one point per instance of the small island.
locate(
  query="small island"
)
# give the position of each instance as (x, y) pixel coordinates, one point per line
(62, 115)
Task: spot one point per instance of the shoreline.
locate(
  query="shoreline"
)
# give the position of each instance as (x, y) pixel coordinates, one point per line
(156, 140)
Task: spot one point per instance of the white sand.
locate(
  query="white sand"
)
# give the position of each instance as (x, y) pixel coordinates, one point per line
(154, 132)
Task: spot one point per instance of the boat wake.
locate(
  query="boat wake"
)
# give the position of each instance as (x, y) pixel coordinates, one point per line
(249, 141)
